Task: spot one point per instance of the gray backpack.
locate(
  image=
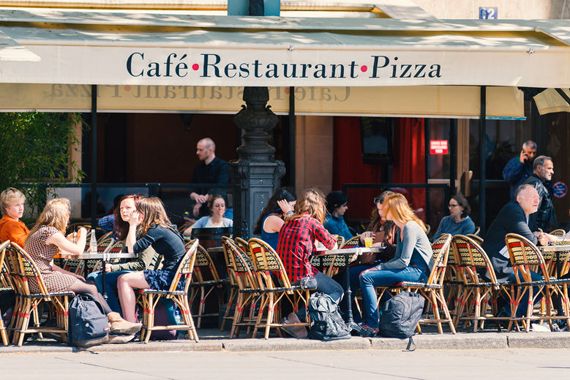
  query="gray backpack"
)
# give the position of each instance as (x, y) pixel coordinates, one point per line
(401, 314)
(326, 322)
(88, 324)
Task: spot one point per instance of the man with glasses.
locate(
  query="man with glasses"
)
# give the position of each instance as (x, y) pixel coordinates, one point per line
(519, 168)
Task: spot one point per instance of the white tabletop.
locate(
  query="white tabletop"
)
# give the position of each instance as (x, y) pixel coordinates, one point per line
(348, 251)
(555, 248)
(98, 256)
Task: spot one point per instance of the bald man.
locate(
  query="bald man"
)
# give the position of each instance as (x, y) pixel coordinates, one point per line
(210, 171)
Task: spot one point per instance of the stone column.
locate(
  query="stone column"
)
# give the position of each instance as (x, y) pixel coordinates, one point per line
(256, 173)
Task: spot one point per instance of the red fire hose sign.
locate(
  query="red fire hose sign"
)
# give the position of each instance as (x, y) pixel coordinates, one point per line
(438, 147)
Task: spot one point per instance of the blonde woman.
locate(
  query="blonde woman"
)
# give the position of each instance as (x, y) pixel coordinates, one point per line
(11, 228)
(45, 240)
(154, 229)
(297, 243)
(411, 262)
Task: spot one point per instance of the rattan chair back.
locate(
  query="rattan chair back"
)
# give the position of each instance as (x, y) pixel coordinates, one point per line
(185, 267)
(268, 266)
(204, 267)
(525, 257)
(440, 249)
(558, 232)
(4, 272)
(472, 259)
(24, 270)
(353, 242)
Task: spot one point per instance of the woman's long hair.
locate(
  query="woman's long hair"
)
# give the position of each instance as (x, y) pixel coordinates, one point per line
(153, 213)
(272, 207)
(120, 227)
(55, 214)
(397, 205)
(311, 202)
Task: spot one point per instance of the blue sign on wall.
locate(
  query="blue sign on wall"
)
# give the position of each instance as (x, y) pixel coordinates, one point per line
(559, 189)
(488, 13)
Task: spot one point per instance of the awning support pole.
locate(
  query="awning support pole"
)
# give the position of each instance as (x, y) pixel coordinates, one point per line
(452, 156)
(482, 160)
(426, 148)
(93, 156)
(292, 137)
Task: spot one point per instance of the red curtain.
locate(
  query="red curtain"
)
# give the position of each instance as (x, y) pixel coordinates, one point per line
(408, 163)
(410, 159)
(348, 167)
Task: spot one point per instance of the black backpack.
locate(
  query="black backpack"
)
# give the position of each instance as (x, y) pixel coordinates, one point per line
(401, 314)
(326, 322)
(88, 324)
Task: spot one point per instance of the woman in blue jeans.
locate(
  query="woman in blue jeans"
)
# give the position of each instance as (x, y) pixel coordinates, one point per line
(411, 262)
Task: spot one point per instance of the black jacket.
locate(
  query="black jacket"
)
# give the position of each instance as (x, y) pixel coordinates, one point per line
(510, 219)
(545, 217)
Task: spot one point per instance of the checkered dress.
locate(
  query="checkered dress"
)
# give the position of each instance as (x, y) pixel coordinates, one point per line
(42, 254)
(297, 243)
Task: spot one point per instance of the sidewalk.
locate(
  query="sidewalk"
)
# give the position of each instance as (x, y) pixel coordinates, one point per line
(213, 340)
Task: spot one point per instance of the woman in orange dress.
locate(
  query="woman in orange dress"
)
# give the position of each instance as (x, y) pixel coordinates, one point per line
(11, 228)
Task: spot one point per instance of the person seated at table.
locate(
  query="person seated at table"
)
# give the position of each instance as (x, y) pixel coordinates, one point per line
(337, 204)
(513, 218)
(272, 217)
(107, 223)
(144, 260)
(217, 206)
(297, 243)
(46, 239)
(149, 226)
(458, 221)
(412, 260)
(12, 228)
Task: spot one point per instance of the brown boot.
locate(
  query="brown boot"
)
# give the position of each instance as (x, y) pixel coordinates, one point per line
(121, 327)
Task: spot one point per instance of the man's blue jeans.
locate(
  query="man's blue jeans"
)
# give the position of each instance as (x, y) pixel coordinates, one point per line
(523, 304)
(110, 286)
(385, 277)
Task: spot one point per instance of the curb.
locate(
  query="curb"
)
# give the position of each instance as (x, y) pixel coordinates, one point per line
(461, 341)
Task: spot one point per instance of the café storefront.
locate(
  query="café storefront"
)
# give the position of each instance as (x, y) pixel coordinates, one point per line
(52, 60)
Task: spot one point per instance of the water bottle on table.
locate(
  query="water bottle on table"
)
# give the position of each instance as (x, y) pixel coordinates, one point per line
(93, 242)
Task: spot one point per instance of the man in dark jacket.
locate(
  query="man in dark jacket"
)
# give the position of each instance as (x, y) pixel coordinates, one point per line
(519, 168)
(211, 171)
(512, 218)
(545, 217)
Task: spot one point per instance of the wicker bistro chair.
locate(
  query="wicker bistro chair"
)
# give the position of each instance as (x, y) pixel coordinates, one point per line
(275, 287)
(453, 282)
(477, 296)
(476, 238)
(559, 232)
(432, 289)
(23, 270)
(205, 282)
(526, 257)
(242, 244)
(150, 297)
(4, 284)
(248, 294)
(233, 286)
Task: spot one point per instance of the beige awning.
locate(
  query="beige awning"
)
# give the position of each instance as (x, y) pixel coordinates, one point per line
(551, 100)
(432, 101)
(176, 49)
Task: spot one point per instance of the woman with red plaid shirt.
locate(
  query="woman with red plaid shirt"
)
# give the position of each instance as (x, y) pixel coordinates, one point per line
(297, 243)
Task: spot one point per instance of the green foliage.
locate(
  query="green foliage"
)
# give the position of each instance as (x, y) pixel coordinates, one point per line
(34, 149)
